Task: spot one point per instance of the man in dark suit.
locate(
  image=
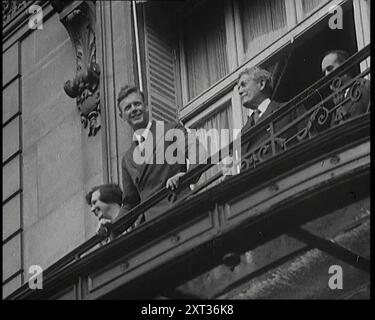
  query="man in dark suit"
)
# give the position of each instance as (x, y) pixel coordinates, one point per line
(255, 89)
(352, 107)
(141, 180)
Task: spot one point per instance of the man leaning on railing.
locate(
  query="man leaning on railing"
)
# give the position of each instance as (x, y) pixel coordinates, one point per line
(350, 106)
(255, 88)
(142, 180)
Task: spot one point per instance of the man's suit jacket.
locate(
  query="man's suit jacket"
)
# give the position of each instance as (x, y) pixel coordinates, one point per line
(140, 181)
(353, 108)
(262, 136)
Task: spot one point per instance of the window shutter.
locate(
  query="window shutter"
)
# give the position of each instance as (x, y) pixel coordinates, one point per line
(160, 49)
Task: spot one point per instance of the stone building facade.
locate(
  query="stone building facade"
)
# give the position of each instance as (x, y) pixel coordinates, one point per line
(65, 61)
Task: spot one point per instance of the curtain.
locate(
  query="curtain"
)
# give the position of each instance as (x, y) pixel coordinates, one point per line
(222, 119)
(263, 21)
(205, 48)
(309, 5)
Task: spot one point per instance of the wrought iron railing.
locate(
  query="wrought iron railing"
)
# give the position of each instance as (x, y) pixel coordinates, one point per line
(314, 119)
(311, 118)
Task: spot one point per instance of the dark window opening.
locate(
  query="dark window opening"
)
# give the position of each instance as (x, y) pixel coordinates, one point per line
(303, 66)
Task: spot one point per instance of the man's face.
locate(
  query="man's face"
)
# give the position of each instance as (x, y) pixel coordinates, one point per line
(250, 91)
(329, 63)
(98, 208)
(134, 111)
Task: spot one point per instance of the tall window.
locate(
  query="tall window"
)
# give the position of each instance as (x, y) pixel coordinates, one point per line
(263, 21)
(205, 47)
(220, 119)
(212, 39)
(308, 6)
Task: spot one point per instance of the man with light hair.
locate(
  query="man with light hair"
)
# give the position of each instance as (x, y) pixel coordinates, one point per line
(255, 87)
(142, 181)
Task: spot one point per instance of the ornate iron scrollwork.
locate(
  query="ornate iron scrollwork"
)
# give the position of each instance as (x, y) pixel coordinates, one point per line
(344, 96)
(80, 24)
(253, 158)
(336, 87)
(282, 142)
(264, 151)
(355, 91)
(248, 161)
(317, 120)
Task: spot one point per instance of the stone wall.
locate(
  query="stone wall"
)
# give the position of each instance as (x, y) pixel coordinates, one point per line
(49, 162)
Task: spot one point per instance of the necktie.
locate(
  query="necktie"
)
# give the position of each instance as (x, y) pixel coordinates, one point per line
(256, 115)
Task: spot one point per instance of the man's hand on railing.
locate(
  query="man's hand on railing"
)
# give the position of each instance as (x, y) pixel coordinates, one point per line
(173, 182)
(227, 167)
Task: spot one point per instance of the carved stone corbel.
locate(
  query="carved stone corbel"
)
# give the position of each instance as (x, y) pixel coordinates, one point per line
(79, 18)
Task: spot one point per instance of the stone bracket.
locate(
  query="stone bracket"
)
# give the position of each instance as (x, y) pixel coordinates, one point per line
(79, 18)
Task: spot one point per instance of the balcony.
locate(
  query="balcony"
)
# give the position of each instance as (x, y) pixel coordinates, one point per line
(299, 206)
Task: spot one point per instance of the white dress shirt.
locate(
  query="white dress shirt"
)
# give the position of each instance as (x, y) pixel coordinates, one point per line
(262, 107)
(138, 137)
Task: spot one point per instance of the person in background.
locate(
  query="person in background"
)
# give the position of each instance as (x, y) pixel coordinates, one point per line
(332, 60)
(255, 88)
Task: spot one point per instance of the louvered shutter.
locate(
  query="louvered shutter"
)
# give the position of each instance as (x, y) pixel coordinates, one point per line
(160, 49)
